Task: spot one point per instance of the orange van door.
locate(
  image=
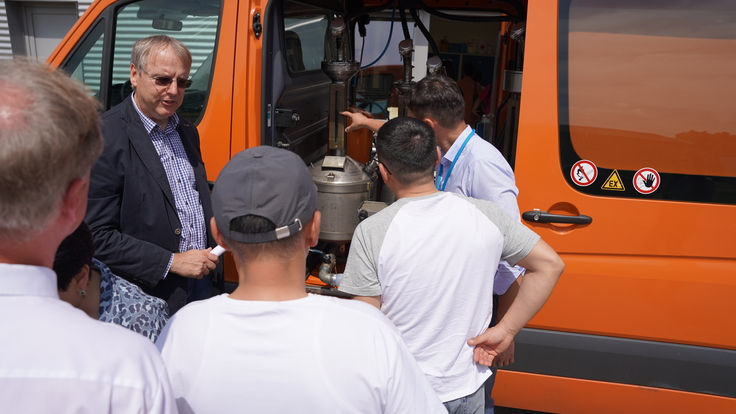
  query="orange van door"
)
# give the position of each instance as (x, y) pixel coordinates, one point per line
(626, 165)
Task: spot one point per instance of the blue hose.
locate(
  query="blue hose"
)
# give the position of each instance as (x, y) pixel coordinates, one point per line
(391, 32)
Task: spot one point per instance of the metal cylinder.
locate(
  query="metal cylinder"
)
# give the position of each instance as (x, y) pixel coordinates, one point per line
(512, 81)
(342, 186)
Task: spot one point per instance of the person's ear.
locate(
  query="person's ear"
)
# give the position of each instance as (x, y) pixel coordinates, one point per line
(384, 173)
(81, 279)
(431, 122)
(133, 75)
(311, 231)
(439, 157)
(74, 203)
(217, 235)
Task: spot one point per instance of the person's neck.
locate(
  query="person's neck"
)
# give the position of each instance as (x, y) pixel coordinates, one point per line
(447, 136)
(271, 280)
(91, 304)
(39, 250)
(161, 123)
(414, 190)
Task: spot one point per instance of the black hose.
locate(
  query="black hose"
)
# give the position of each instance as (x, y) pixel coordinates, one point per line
(498, 113)
(424, 30)
(402, 14)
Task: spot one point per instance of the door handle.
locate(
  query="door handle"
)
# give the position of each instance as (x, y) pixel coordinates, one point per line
(537, 216)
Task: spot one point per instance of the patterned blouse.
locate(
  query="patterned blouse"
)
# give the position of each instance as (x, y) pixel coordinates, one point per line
(125, 304)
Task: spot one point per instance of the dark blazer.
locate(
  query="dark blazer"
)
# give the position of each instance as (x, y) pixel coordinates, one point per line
(131, 209)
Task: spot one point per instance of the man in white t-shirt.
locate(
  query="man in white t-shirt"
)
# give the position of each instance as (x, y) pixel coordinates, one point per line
(53, 357)
(468, 165)
(430, 275)
(269, 347)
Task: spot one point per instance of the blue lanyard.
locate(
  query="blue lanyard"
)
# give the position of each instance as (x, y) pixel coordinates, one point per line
(443, 182)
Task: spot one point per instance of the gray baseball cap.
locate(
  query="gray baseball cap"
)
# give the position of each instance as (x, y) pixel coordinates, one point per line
(269, 182)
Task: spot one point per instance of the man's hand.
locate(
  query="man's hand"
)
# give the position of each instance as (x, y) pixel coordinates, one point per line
(491, 344)
(361, 119)
(504, 358)
(194, 263)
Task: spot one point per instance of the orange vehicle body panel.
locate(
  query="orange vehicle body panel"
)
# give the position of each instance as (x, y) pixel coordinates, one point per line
(629, 266)
(576, 396)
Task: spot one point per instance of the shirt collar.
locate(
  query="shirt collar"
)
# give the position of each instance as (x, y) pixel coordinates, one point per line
(149, 124)
(26, 280)
(450, 154)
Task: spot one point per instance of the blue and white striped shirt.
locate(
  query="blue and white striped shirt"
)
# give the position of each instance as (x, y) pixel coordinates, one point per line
(183, 184)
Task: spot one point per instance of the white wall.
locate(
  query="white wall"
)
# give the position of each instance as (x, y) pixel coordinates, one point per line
(6, 51)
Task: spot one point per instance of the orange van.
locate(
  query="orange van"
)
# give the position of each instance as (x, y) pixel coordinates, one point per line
(616, 115)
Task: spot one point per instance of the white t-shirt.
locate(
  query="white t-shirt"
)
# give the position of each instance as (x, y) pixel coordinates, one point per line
(56, 359)
(430, 258)
(312, 355)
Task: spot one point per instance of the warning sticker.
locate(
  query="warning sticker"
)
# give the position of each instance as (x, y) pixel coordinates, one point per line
(646, 180)
(613, 182)
(584, 173)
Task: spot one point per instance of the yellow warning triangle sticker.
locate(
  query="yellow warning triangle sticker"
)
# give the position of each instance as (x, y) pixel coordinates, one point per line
(613, 182)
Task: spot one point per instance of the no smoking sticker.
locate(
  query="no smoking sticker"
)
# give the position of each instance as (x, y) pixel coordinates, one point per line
(584, 173)
(646, 180)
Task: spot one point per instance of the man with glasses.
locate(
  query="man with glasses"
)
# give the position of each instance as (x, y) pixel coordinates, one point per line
(149, 199)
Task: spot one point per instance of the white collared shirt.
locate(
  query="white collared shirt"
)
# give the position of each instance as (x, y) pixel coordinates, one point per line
(56, 359)
(482, 172)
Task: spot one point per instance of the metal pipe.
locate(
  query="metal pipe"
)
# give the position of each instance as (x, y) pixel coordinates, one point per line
(325, 269)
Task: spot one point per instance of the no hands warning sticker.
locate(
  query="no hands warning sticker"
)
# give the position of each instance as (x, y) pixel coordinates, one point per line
(613, 182)
(646, 180)
(584, 173)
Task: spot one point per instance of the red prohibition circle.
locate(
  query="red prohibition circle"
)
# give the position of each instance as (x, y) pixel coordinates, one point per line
(640, 180)
(584, 173)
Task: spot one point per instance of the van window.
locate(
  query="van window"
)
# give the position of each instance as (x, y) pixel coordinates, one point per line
(304, 36)
(85, 65)
(198, 31)
(650, 85)
(195, 23)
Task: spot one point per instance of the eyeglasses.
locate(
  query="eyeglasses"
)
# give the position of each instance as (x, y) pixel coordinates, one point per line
(385, 167)
(163, 81)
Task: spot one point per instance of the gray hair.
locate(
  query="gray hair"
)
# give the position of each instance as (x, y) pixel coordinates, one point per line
(143, 47)
(49, 136)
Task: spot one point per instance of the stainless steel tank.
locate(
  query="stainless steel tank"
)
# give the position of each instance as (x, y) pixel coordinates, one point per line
(342, 186)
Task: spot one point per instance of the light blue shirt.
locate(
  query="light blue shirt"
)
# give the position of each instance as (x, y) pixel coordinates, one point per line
(482, 172)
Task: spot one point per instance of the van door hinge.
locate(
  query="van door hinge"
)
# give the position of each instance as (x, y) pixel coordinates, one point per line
(257, 26)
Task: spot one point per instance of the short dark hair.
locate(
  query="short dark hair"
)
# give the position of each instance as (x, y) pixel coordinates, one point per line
(74, 252)
(408, 148)
(252, 224)
(437, 97)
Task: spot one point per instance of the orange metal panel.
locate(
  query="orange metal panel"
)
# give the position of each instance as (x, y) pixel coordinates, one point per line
(575, 396)
(643, 269)
(215, 126)
(246, 127)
